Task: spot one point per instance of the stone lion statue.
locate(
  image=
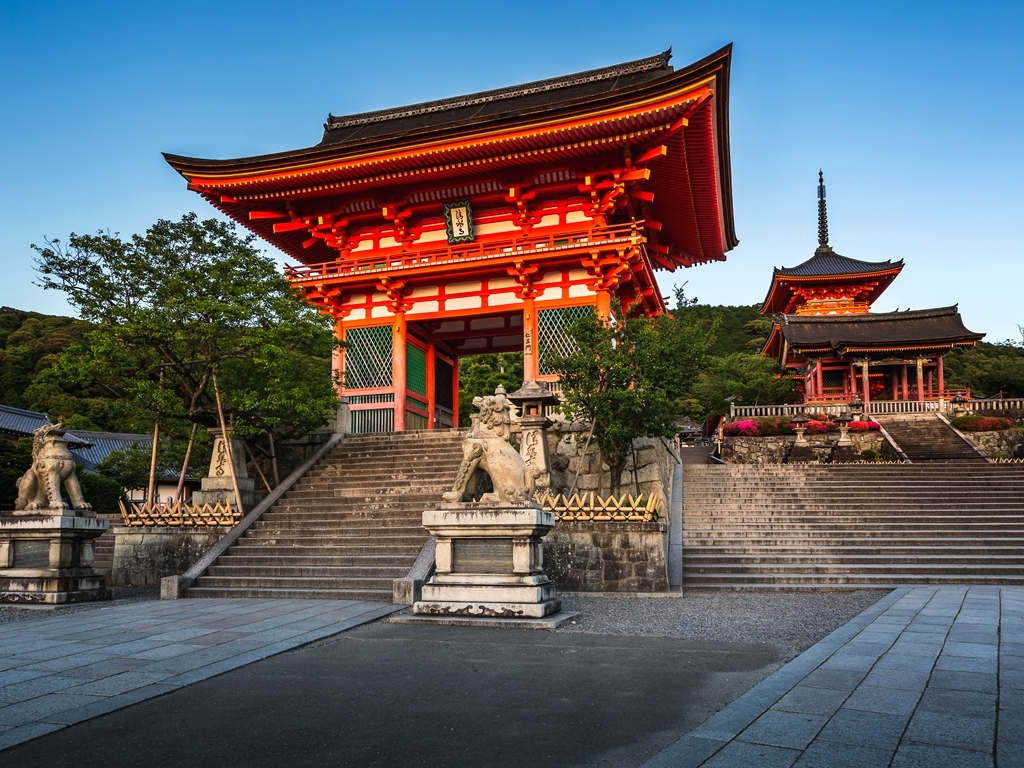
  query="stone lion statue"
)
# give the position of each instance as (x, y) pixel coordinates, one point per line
(486, 449)
(52, 464)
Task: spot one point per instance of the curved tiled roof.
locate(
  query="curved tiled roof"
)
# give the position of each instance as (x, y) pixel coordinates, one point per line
(825, 261)
(904, 330)
(498, 101)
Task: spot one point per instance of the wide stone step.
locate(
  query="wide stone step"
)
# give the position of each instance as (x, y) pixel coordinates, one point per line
(831, 558)
(345, 548)
(338, 532)
(339, 524)
(327, 540)
(371, 595)
(893, 578)
(261, 581)
(320, 559)
(840, 540)
(725, 553)
(314, 571)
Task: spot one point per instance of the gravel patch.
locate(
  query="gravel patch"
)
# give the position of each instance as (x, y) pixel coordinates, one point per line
(122, 595)
(796, 620)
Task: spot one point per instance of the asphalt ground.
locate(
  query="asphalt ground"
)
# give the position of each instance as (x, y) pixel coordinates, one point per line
(393, 695)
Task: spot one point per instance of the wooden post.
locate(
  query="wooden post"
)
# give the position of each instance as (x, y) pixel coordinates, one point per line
(942, 383)
(248, 449)
(853, 380)
(920, 378)
(338, 358)
(818, 379)
(151, 488)
(455, 391)
(227, 446)
(431, 395)
(531, 363)
(604, 305)
(896, 384)
(273, 457)
(906, 392)
(866, 382)
(184, 466)
(399, 342)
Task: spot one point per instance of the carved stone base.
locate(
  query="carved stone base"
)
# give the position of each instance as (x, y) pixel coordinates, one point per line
(489, 610)
(489, 563)
(846, 454)
(47, 559)
(800, 454)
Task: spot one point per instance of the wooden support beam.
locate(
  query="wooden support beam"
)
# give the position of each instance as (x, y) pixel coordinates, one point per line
(651, 154)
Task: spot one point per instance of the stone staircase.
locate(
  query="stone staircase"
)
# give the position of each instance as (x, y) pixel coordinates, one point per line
(348, 528)
(927, 438)
(852, 526)
(105, 545)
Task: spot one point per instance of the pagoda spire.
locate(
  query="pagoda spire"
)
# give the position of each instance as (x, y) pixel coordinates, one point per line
(822, 214)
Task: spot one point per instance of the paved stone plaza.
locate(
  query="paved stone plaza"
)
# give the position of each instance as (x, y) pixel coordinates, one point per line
(927, 677)
(68, 668)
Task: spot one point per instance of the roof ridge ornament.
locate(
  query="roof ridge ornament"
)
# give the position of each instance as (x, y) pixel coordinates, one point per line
(822, 215)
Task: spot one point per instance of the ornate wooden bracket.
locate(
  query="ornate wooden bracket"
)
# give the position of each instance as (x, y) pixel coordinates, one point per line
(396, 291)
(523, 274)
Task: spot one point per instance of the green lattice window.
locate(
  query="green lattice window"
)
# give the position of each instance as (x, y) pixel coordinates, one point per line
(368, 357)
(443, 383)
(415, 369)
(553, 337)
(833, 379)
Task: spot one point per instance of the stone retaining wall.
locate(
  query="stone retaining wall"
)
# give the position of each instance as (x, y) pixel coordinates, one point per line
(607, 557)
(1005, 444)
(774, 449)
(144, 555)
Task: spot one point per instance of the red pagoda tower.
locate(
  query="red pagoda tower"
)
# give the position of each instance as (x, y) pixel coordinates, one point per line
(489, 222)
(823, 329)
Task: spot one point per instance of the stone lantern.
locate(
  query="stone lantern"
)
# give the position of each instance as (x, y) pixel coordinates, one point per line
(857, 407)
(799, 424)
(532, 399)
(801, 452)
(959, 405)
(845, 451)
(844, 419)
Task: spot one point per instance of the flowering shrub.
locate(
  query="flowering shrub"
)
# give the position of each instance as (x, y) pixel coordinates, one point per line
(976, 423)
(820, 427)
(745, 428)
(864, 426)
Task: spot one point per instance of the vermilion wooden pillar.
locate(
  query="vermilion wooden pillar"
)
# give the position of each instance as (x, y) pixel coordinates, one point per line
(920, 378)
(604, 304)
(338, 358)
(866, 382)
(399, 342)
(455, 391)
(531, 364)
(942, 382)
(906, 391)
(431, 396)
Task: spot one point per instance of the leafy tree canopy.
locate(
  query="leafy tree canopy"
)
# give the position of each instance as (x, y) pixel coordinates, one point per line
(480, 375)
(631, 379)
(987, 369)
(171, 308)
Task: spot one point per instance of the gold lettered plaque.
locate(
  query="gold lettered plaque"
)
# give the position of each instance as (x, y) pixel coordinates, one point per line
(458, 220)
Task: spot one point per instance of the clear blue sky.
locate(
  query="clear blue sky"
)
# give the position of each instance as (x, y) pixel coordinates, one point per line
(914, 110)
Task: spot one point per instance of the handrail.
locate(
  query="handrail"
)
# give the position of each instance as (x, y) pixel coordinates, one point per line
(411, 256)
(173, 587)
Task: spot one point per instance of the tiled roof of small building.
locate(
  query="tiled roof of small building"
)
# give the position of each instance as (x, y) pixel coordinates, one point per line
(18, 422)
(923, 327)
(825, 261)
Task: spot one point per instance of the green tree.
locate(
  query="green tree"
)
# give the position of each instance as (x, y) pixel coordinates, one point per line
(174, 307)
(987, 369)
(630, 379)
(480, 375)
(747, 378)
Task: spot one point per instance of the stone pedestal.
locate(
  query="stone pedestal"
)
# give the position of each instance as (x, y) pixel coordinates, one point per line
(218, 488)
(46, 558)
(489, 563)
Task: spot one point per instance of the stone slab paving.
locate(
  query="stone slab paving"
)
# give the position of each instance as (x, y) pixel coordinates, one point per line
(63, 669)
(928, 676)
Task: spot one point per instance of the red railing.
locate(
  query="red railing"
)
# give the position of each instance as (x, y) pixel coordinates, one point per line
(410, 257)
